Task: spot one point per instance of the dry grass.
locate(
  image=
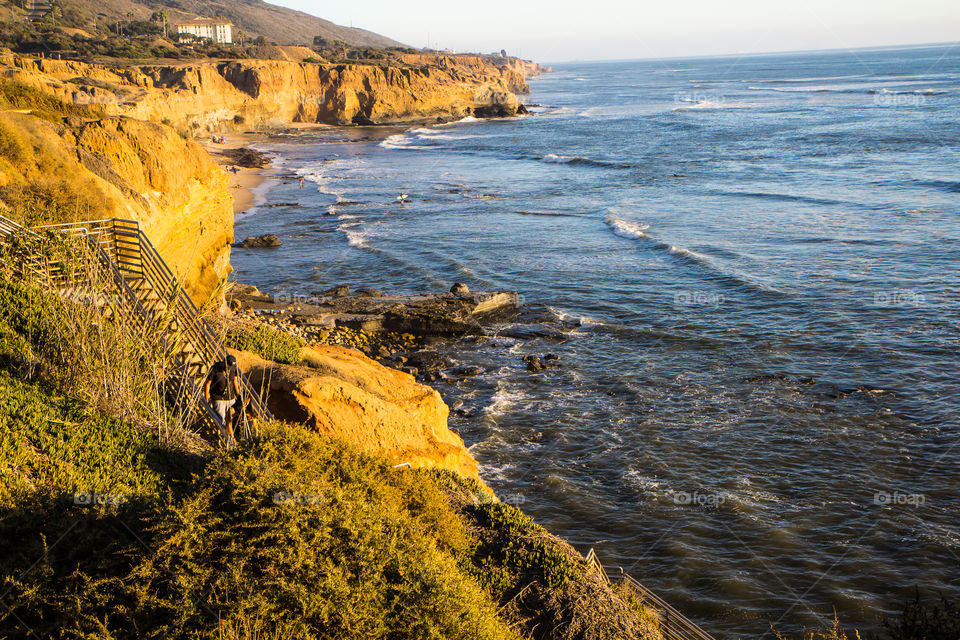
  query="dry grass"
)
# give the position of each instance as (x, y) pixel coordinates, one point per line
(81, 333)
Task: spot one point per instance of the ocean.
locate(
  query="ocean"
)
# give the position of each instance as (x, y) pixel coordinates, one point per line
(749, 268)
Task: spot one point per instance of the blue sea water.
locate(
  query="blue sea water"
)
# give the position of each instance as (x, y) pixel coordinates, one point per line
(753, 264)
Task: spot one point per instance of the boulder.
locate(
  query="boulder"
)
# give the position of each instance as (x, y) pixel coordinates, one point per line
(344, 394)
(534, 363)
(339, 291)
(460, 290)
(260, 242)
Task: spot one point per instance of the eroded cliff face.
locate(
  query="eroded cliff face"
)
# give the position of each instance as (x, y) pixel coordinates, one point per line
(208, 95)
(123, 168)
(344, 394)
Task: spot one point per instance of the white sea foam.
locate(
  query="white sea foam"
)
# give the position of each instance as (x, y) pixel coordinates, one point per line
(554, 158)
(697, 105)
(582, 321)
(260, 192)
(626, 229)
(643, 482)
(397, 141)
(915, 92)
(502, 400)
(687, 253)
(356, 236)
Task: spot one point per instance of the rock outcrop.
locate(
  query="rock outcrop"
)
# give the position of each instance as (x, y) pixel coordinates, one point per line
(123, 168)
(344, 394)
(210, 95)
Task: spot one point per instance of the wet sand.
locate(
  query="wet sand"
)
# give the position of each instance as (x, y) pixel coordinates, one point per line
(246, 179)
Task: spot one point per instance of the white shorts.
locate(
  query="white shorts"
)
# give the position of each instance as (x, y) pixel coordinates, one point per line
(221, 407)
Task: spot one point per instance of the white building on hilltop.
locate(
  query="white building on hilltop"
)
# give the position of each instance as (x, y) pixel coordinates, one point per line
(217, 29)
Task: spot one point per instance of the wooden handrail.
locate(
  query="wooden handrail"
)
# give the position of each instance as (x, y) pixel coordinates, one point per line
(673, 624)
(124, 250)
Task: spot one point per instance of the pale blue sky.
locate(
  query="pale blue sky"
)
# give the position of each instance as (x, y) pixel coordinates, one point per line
(559, 30)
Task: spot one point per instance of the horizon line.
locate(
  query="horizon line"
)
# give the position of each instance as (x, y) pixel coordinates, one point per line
(782, 52)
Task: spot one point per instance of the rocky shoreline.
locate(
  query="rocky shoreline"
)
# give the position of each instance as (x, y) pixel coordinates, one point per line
(397, 330)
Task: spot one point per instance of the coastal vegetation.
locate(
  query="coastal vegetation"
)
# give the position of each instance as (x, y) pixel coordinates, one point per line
(267, 343)
(138, 30)
(118, 521)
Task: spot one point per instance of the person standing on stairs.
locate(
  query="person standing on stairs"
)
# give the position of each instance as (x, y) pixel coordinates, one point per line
(222, 389)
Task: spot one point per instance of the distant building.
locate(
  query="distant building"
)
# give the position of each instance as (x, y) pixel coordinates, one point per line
(217, 29)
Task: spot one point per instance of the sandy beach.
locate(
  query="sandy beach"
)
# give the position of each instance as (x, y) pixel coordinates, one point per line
(245, 179)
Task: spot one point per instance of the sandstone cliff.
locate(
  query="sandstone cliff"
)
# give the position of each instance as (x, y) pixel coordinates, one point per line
(208, 95)
(123, 168)
(344, 394)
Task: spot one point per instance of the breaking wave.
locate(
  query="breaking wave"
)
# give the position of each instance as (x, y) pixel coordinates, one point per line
(626, 229)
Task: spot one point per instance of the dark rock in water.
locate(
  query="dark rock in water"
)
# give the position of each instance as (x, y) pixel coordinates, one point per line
(538, 363)
(534, 363)
(767, 377)
(460, 290)
(457, 404)
(368, 293)
(468, 371)
(339, 291)
(499, 111)
(436, 321)
(247, 158)
(411, 370)
(425, 360)
(259, 242)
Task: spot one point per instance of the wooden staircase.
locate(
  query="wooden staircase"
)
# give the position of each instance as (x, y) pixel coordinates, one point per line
(37, 11)
(672, 624)
(143, 288)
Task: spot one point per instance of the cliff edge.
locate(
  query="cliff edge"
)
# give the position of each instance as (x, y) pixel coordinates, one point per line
(204, 96)
(342, 393)
(79, 169)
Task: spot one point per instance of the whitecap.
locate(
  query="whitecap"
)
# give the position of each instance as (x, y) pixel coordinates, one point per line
(626, 229)
(687, 253)
(502, 400)
(554, 158)
(355, 237)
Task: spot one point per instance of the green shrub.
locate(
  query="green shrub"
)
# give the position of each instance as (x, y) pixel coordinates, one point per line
(16, 95)
(267, 343)
(920, 620)
(294, 536)
(53, 444)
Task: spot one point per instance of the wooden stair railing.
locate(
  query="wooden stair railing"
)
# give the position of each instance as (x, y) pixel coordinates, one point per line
(673, 624)
(150, 292)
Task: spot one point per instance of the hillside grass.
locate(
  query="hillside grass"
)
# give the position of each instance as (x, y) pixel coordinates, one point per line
(19, 96)
(109, 531)
(52, 444)
(267, 343)
(42, 182)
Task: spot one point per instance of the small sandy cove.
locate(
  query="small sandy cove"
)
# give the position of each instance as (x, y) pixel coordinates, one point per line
(245, 179)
